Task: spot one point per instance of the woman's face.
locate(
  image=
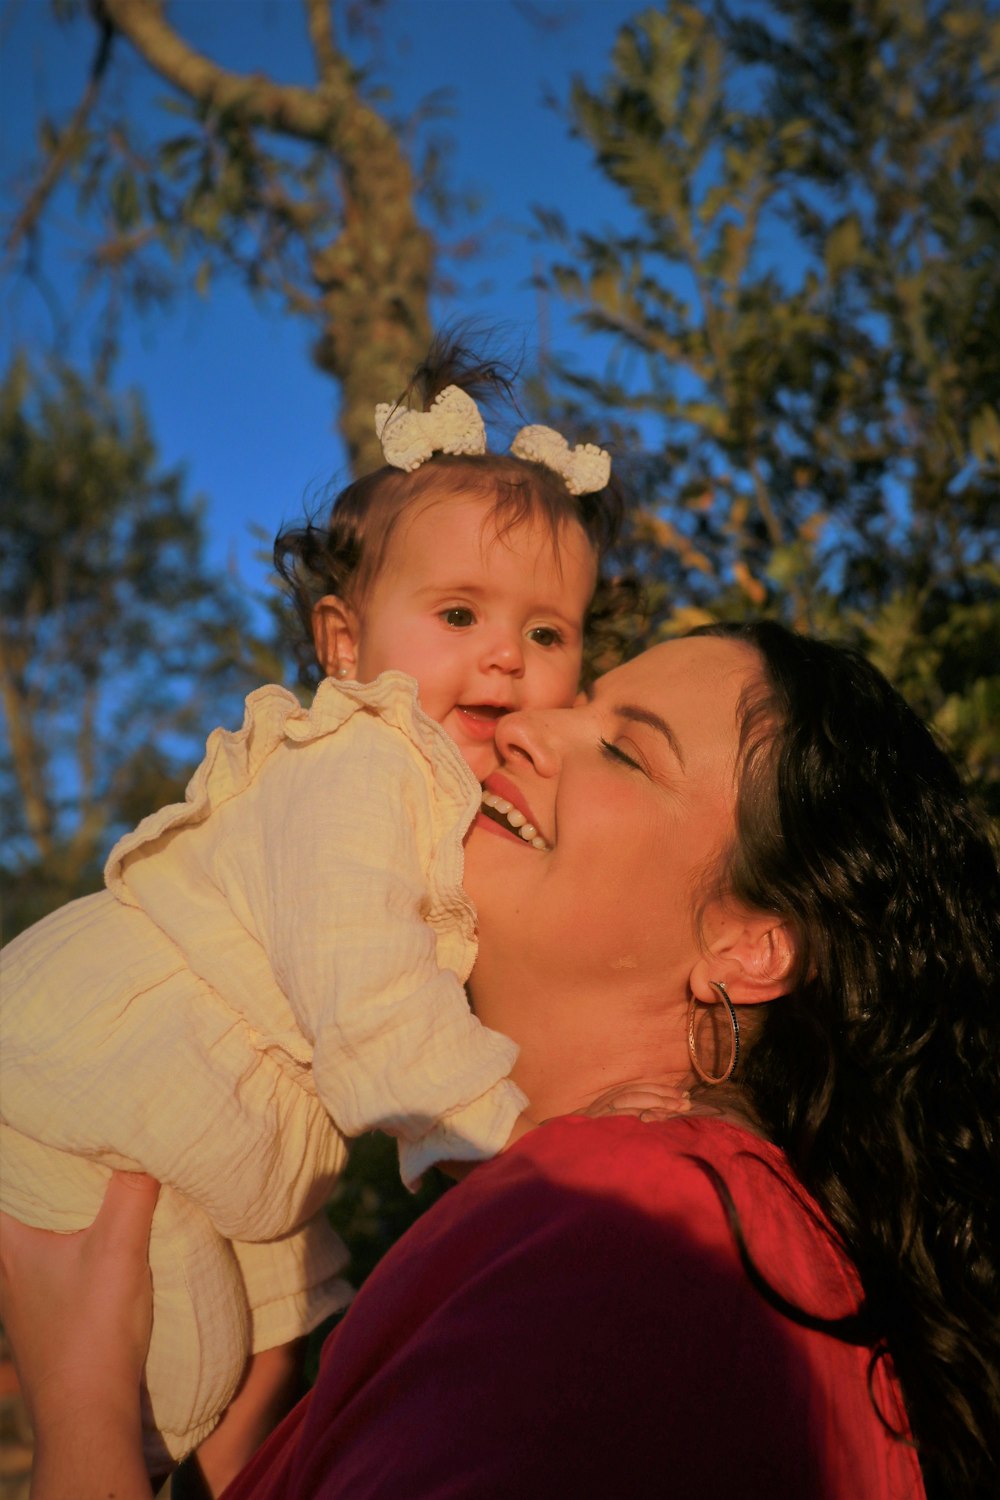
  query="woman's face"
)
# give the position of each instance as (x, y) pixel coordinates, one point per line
(584, 941)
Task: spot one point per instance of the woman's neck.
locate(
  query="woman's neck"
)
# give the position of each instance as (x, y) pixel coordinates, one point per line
(580, 1077)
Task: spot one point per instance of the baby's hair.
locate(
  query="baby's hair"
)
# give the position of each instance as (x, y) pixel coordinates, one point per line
(344, 555)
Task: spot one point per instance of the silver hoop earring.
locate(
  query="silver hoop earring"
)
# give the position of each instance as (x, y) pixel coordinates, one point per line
(734, 1058)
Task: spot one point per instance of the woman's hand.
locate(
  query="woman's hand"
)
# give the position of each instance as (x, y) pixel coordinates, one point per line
(78, 1311)
(645, 1099)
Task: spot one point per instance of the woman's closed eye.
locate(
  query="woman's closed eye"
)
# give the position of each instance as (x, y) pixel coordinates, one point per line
(616, 753)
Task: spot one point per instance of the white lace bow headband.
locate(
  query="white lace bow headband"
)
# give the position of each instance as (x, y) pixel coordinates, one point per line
(454, 425)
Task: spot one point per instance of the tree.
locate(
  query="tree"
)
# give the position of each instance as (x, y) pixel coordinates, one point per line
(802, 323)
(304, 189)
(120, 646)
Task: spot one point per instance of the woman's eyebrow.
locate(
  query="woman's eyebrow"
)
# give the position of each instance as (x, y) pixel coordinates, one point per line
(636, 715)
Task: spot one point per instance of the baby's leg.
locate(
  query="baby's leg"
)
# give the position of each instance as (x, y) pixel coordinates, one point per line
(292, 1284)
(274, 1381)
(201, 1325)
(201, 1331)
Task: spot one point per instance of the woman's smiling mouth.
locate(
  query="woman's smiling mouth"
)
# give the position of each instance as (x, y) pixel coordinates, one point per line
(511, 819)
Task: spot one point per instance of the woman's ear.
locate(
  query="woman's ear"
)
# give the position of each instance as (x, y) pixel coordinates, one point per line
(752, 953)
(336, 634)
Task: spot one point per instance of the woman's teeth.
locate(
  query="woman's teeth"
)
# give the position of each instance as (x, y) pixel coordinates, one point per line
(509, 814)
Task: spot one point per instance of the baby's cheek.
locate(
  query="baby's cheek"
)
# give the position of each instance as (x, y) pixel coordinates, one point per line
(482, 760)
(559, 686)
(574, 671)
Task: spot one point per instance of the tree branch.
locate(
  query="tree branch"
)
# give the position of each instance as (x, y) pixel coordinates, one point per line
(319, 19)
(374, 277)
(29, 763)
(39, 196)
(285, 108)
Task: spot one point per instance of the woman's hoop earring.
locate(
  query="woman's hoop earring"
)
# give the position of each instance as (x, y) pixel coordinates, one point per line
(720, 990)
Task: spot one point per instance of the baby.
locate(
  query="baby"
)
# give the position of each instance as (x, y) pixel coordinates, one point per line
(277, 964)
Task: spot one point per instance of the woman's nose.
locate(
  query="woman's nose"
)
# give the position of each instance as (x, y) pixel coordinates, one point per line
(531, 735)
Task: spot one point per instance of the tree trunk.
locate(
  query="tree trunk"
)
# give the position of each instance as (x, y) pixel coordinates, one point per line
(373, 280)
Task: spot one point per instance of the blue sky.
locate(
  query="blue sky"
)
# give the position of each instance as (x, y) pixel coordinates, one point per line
(229, 388)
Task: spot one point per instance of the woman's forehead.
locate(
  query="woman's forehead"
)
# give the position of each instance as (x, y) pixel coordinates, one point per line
(694, 664)
(690, 690)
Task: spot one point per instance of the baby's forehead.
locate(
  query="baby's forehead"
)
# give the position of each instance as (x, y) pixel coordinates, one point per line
(502, 504)
(486, 524)
(477, 519)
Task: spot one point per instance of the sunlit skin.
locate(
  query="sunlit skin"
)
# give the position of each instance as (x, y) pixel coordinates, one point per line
(590, 949)
(486, 624)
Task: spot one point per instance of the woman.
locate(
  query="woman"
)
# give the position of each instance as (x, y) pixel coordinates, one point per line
(762, 881)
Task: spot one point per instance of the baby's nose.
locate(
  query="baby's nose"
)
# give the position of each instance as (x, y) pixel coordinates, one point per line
(505, 652)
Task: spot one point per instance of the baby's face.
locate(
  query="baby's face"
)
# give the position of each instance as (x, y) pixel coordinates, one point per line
(485, 623)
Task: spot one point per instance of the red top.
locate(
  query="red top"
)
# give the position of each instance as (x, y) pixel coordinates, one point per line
(573, 1321)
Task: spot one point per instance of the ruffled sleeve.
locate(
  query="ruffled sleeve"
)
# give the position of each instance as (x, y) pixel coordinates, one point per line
(351, 882)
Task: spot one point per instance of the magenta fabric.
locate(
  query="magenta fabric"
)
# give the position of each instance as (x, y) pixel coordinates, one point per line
(573, 1321)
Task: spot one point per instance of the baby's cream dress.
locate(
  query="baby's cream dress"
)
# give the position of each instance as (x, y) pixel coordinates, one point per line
(277, 965)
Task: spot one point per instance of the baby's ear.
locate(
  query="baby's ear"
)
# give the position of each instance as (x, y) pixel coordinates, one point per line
(752, 953)
(336, 633)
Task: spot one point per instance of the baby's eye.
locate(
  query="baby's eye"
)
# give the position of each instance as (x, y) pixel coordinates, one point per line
(545, 635)
(460, 617)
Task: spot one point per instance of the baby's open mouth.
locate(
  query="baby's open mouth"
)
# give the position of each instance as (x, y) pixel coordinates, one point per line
(480, 720)
(499, 810)
(491, 711)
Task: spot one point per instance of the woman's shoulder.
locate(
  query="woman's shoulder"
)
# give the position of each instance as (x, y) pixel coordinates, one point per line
(636, 1158)
(588, 1279)
(695, 1182)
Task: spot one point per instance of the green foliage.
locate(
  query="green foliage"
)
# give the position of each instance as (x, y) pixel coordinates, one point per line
(801, 319)
(120, 647)
(371, 1208)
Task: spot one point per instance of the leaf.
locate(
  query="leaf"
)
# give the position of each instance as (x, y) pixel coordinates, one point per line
(750, 586)
(124, 197)
(984, 435)
(843, 246)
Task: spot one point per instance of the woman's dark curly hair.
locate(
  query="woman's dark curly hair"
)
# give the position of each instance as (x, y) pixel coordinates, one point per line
(343, 554)
(879, 1074)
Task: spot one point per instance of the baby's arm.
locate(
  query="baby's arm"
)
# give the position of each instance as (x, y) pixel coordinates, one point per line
(644, 1100)
(395, 1045)
(458, 1170)
(522, 1125)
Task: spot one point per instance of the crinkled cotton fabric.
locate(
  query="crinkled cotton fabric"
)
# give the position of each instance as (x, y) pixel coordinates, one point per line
(277, 964)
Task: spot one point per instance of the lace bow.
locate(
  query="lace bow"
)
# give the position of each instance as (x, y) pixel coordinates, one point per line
(584, 469)
(409, 438)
